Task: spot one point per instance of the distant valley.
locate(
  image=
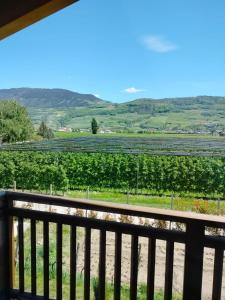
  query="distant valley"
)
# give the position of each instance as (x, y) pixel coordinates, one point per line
(64, 108)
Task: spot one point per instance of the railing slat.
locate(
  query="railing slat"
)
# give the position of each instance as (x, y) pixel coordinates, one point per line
(102, 264)
(21, 254)
(73, 262)
(218, 274)
(151, 269)
(87, 263)
(59, 262)
(33, 258)
(46, 259)
(134, 267)
(117, 270)
(193, 267)
(168, 291)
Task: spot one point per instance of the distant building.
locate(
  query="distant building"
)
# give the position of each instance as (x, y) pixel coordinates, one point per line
(65, 129)
(83, 130)
(105, 131)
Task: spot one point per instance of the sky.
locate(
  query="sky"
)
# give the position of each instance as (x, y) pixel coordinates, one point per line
(122, 50)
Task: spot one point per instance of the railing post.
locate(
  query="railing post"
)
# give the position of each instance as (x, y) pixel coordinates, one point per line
(5, 249)
(193, 269)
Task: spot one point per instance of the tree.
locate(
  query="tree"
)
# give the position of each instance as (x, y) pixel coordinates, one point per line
(50, 134)
(94, 126)
(45, 132)
(15, 124)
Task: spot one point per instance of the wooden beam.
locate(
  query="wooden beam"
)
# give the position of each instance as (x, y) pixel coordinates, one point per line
(18, 14)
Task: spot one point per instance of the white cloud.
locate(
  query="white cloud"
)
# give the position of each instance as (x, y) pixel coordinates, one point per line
(97, 95)
(132, 90)
(158, 44)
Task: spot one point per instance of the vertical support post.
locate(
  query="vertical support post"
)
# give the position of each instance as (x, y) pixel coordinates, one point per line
(171, 202)
(193, 261)
(102, 265)
(117, 264)
(87, 264)
(88, 191)
(134, 268)
(137, 176)
(6, 262)
(14, 185)
(51, 189)
(218, 205)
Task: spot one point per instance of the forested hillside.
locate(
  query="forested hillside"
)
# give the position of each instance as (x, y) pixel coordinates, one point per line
(59, 108)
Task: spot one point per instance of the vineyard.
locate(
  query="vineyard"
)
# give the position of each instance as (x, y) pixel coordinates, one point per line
(153, 145)
(33, 170)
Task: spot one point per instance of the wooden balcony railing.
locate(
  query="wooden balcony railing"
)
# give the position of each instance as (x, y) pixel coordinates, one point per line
(194, 237)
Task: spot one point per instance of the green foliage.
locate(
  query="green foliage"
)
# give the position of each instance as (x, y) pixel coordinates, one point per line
(45, 132)
(15, 125)
(95, 286)
(65, 170)
(94, 126)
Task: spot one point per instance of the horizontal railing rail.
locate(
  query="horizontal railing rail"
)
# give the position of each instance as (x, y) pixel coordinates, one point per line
(194, 234)
(131, 210)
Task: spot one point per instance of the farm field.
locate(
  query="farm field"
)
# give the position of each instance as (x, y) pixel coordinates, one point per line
(133, 144)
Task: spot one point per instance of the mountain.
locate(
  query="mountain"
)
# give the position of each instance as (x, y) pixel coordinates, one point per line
(49, 98)
(60, 107)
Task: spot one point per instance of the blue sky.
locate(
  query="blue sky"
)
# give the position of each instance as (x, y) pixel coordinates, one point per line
(122, 50)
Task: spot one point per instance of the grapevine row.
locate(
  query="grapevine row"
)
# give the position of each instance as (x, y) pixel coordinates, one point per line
(37, 170)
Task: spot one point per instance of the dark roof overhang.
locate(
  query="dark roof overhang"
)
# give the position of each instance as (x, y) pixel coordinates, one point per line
(18, 14)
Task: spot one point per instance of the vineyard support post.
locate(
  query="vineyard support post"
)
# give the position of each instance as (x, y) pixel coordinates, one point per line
(51, 189)
(14, 185)
(88, 191)
(137, 178)
(171, 203)
(218, 205)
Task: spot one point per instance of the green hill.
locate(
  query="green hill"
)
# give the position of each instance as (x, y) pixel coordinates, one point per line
(49, 98)
(60, 107)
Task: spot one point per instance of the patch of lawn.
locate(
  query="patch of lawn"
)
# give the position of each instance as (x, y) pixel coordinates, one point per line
(177, 203)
